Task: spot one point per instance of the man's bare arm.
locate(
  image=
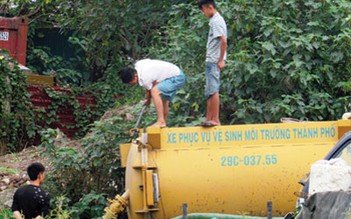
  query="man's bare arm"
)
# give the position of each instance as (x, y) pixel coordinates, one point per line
(147, 100)
(223, 48)
(17, 215)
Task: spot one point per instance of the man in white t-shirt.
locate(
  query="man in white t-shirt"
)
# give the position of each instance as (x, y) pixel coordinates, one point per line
(161, 80)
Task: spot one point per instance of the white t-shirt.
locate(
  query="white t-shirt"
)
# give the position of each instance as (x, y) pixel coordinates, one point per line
(150, 70)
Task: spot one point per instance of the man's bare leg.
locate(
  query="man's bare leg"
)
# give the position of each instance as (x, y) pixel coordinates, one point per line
(208, 109)
(212, 112)
(165, 110)
(156, 99)
(215, 109)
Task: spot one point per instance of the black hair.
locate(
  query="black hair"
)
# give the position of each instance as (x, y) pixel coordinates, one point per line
(34, 169)
(127, 75)
(207, 2)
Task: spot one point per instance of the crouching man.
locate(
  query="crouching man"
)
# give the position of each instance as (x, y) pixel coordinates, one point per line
(160, 79)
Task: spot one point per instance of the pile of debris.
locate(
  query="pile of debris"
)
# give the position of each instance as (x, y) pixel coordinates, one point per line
(9, 181)
(13, 172)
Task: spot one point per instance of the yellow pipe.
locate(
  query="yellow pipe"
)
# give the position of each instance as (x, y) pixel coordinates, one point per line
(145, 208)
(117, 205)
(144, 164)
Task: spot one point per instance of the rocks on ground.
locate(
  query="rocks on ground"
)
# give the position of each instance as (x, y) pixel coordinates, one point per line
(13, 172)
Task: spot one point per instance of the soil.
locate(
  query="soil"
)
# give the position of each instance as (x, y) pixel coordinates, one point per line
(13, 166)
(13, 172)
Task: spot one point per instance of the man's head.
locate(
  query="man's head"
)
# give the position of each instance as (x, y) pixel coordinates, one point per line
(36, 172)
(208, 7)
(128, 76)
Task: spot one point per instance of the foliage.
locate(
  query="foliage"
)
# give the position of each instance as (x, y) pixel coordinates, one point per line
(87, 104)
(63, 103)
(182, 41)
(285, 59)
(117, 36)
(6, 214)
(93, 165)
(7, 170)
(60, 208)
(16, 119)
(41, 61)
(102, 37)
(43, 15)
(59, 211)
(301, 47)
(89, 206)
(89, 171)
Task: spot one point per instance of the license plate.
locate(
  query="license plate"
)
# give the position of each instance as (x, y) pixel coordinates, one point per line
(4, 36)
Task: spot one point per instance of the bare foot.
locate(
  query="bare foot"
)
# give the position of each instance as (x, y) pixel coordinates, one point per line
(159, 124)
(212, 123)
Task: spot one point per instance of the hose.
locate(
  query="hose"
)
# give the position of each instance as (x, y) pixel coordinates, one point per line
(220, 216)
(117, 206)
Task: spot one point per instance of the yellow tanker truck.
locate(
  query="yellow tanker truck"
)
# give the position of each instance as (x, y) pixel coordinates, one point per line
(223, 169)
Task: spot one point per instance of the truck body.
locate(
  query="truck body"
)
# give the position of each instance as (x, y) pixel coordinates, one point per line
(223, 169)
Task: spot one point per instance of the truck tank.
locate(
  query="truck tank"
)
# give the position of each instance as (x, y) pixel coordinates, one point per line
(223, 169)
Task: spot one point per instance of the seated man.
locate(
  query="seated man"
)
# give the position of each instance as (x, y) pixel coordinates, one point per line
(161, 80)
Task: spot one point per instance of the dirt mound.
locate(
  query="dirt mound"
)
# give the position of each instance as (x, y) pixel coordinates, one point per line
(11, 181)
(13, 166)
(13, 172)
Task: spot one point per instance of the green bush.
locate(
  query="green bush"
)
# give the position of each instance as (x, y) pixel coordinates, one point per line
(91, 165)
(60, 210)
(17, 127)
(6, 214)
(285, 59)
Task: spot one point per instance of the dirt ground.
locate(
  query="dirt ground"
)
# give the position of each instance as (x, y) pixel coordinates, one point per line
(13, 172)
(13, 166)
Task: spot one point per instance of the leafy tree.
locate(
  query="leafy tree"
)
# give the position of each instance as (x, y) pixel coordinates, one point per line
(300, 47)
(113, 33)
(285, 58)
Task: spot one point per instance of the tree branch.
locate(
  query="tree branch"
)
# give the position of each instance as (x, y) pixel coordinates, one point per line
(4, 6)
(37, 10)
(20, 10)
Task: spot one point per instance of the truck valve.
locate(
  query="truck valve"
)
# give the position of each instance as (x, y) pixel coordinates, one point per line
(117, 205)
